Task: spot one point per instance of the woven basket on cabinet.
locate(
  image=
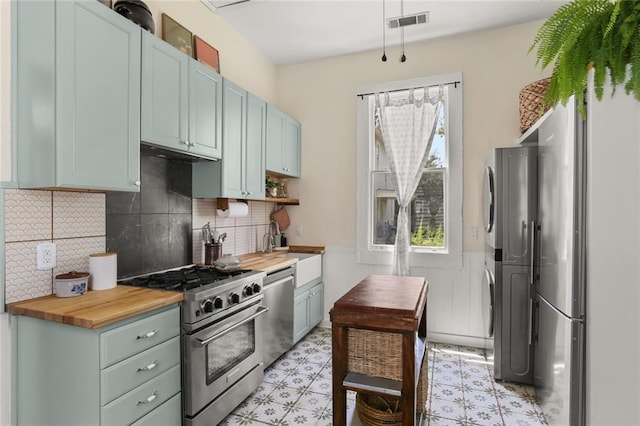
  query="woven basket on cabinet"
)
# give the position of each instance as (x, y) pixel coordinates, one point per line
(530, 103)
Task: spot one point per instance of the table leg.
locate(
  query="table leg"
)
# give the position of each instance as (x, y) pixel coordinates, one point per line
(408, 379)
(339, 351)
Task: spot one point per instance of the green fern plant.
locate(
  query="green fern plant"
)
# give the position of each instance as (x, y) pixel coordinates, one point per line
(584, 34)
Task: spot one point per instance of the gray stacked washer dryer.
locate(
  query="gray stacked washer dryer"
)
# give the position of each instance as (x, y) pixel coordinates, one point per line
(510, 210)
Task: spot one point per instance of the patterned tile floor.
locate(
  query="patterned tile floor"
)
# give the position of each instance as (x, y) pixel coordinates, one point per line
(297, 390)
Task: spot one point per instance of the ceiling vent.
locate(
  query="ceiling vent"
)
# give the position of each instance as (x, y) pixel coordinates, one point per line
(218, 4)
(405, 21)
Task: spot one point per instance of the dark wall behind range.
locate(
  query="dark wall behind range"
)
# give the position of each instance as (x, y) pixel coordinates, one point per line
(151, 230)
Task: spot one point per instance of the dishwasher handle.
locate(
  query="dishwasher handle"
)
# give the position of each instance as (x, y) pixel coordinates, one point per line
(280, 282)
(277, 276)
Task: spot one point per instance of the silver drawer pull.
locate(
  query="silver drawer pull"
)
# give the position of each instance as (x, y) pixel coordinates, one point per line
(148, 400)
(151, 366)
(147, 335)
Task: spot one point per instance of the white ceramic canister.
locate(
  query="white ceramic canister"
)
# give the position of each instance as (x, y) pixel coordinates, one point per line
(71, 284)
(103, 268)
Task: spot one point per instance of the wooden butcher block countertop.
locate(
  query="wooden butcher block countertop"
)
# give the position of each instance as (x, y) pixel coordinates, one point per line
(96, 308)
(268, 262)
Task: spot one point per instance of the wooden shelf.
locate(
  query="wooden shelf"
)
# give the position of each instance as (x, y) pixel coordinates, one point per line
(285, 201)
(223, 203)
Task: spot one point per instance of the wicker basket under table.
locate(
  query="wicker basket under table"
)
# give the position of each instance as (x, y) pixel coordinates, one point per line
(379, 354)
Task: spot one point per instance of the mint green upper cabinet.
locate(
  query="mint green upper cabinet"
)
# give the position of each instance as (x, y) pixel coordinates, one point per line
(240, 174)
(77, 96)
(181, 100)
(283, 143)
(205, 110)
(164, 94)
(291, 148)
(233, 139)
(255, 148)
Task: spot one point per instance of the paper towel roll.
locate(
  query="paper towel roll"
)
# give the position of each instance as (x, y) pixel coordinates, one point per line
(103, 268)
(235, 209)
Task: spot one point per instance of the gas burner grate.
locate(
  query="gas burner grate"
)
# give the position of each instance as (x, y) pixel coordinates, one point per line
(182, 279)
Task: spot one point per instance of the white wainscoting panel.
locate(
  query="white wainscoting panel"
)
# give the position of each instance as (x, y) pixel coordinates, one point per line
(455, 311)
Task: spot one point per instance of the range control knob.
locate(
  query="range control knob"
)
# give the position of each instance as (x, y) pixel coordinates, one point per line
(256, 288)
(247, 291)
(207, 306)
(234, 299)
(217, 302)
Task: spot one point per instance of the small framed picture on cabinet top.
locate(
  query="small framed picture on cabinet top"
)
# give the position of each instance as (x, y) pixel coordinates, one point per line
(177, 35)
(206, 53)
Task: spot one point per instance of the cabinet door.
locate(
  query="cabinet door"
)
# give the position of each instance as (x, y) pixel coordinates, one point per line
(275, 135)
(291, 148)
(300, 316)
(316, 305)
(233, 139)
(164, 94)
(205, 110)
(254, 153)
(98, 98)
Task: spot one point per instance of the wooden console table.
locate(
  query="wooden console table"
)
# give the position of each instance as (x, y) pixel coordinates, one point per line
(386, 304)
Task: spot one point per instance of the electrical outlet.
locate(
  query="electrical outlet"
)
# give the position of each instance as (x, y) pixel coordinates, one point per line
(474, 233)
(46, 256)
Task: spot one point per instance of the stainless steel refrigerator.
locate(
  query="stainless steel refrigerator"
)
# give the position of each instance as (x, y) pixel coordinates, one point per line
(510, 209)
(559, 266)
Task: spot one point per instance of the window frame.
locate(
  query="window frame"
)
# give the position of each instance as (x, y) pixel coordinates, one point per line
(366, 251)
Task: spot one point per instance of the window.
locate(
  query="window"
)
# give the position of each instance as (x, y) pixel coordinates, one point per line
(435, 213)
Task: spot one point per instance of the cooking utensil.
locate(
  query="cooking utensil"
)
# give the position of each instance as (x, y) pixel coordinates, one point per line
(207, 236)
(223, 237)
(227, 263)
(215, 236)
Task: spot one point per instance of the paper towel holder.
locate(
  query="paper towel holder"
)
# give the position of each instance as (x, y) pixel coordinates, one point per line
(223, 203)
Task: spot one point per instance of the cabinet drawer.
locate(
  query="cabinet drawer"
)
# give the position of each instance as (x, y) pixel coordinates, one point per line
(131, 373)
(122, 342)
(168, 414)
(140, 401)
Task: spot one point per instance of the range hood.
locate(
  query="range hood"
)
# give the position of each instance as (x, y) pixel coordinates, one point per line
(157, 151)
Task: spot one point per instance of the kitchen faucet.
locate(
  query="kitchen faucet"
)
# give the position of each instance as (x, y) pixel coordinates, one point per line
(270, 236)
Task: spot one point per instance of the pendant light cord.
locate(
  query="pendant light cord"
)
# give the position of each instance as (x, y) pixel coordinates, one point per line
(384, 33)
(403, 58)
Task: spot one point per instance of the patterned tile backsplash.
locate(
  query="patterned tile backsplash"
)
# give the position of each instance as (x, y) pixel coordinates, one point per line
(244, 234)
(75, 222)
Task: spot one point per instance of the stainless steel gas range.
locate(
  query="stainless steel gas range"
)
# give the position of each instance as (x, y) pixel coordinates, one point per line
(222, 337)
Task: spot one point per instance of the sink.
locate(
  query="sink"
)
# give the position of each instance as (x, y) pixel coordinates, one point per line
(308, 267)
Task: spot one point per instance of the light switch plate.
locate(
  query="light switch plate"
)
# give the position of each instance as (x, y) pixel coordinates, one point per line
(46, 258)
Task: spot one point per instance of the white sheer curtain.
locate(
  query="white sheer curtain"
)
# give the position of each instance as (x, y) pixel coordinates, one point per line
(407, 126)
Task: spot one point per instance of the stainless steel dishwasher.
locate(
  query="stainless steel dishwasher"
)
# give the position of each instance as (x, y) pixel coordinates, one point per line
(278, 321)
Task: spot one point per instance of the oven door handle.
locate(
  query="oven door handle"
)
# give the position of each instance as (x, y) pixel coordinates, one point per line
(205, 342)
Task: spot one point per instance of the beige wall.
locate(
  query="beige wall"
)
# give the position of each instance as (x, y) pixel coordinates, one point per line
(239, 61)
(321, 94)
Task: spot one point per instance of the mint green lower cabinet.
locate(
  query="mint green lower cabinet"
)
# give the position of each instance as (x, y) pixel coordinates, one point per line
(300, 315)
(316, 305)
(61, 375)
(308, 306)
(168, 414)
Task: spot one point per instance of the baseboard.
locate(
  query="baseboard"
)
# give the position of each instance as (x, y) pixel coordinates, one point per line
(451, 339)
(454, 339)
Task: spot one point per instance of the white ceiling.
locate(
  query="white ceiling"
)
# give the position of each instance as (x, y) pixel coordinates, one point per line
(292, 31)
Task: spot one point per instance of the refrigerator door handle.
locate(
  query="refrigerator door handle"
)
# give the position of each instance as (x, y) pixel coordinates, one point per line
(530, 320)
(532, 276)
